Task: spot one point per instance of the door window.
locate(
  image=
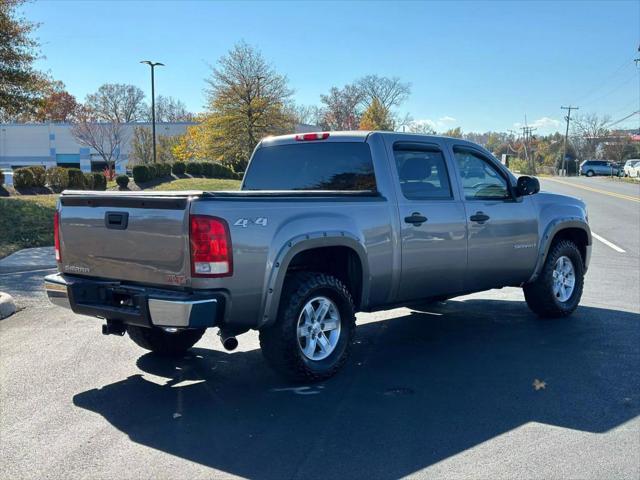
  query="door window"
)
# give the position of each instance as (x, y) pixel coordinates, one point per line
(422, 172)
(480, 179)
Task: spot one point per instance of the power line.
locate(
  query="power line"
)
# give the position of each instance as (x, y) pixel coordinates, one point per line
(615, 89)
(623, 119)
(566, 137)
(605, 81)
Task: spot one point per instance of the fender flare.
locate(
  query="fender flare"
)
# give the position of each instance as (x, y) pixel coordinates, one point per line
(278, 268)
(550, 232)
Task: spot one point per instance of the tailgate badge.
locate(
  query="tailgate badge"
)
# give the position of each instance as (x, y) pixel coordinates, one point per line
(76, 269)
(174, 279)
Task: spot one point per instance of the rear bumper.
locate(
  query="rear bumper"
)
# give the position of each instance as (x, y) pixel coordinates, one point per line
(135, 305)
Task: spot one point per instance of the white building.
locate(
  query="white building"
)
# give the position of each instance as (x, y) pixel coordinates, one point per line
(52, 144)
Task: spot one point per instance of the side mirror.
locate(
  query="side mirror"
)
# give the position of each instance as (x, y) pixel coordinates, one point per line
(527, 186)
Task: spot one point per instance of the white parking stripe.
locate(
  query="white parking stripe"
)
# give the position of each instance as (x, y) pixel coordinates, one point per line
(607, 243)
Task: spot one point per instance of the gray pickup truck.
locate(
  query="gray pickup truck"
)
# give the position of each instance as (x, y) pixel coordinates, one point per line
(324, 225)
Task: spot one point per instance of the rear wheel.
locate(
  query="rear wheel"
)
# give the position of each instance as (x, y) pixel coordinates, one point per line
(558, 289)
(164, 342)
(312, 335)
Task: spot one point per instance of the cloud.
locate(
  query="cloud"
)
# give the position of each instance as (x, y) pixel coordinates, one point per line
(439, 124)
(544, 123)
(446, 120)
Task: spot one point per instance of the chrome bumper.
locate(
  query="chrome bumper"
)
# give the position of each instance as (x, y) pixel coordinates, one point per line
(133, 304)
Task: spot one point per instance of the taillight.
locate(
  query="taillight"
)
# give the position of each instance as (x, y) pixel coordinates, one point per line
(305, 137)
(56, 235)
(210, 247)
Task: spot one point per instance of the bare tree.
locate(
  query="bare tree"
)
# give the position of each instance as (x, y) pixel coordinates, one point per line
(617, 147)
(308, 114)
(117, 102)
(421, 127)
(169, 109)
(106, 138)
(589, 131)
(389, 91)
(342, 108)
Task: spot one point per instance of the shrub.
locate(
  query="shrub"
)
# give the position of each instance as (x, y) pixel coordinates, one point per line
(76, 179)
(23, 178)
(194, 168)
(122, 181)
(165, 169)
(208, 169)
(38, 175)
(141, 173)
(95, 181)
(57, 178)
(179, 168)
(222, 171)
(1, 178)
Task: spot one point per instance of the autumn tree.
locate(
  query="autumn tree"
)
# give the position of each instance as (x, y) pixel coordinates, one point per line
(117, 102)
(57, 105)
(342, 108)
(376, 117)
(21, 85)
(247, 101)
(141, 145)
(453, 132)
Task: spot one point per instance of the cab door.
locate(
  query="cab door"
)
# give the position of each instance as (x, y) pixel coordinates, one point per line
(502, 229)
(432, 223)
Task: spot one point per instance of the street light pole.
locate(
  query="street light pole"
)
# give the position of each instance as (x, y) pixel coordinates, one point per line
(153, 102)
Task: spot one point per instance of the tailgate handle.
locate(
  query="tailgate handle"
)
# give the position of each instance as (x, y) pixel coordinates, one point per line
(116, 220)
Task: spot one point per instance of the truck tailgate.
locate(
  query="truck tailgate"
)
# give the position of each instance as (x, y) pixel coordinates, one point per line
(138, 238)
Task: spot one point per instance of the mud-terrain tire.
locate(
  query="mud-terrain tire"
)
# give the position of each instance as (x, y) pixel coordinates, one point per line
(165, 343)
(542, 296)
(301, 358)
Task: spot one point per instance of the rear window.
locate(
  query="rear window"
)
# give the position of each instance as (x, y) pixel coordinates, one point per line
(311, 166)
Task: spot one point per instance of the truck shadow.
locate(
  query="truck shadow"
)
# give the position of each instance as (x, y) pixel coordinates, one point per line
(419, 388)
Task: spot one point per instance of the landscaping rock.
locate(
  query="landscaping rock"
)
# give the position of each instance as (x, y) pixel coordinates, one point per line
(7, 305)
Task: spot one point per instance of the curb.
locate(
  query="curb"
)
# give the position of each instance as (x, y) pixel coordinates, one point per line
(7, 305)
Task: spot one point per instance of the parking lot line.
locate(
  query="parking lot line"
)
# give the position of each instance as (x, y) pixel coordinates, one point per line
(597, 190)
(608, 243)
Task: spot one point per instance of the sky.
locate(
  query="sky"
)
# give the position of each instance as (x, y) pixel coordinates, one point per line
(478, 65)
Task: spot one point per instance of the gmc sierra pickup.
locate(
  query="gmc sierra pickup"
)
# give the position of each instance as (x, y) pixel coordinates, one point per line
(324, 225)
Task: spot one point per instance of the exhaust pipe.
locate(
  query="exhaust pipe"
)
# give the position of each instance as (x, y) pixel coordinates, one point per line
(113, 328)
(229, 342)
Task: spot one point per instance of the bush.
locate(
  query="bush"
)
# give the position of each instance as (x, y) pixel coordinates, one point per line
(141, 174)
(122, 181)
(23, 178)
(194, 168)
(95, 181)
(76, 179)
(57, 178)
(1, 178)
(222, 171)
(208, 169)
(165, 169)
(38, 175)
(179, 168)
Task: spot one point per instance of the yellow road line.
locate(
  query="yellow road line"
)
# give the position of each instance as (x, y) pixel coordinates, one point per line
(597, 190)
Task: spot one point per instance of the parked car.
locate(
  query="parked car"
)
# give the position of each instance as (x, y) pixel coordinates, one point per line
(632, 167)
(325, 225)
(8, 177)
(599, 167)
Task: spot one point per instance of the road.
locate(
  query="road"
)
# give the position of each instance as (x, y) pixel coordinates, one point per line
(443, 393)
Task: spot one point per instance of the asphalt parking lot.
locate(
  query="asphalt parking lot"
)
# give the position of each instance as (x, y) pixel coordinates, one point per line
(476, 387)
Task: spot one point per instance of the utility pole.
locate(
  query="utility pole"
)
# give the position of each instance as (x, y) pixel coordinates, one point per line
(526, 137)
(153, 103)
(563, 163)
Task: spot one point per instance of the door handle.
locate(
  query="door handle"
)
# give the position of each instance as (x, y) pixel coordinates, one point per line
(479, 217)
(416, 218)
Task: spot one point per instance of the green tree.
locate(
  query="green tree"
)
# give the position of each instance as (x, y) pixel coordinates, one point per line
(21, 85)
(376, 117)
(247, 100)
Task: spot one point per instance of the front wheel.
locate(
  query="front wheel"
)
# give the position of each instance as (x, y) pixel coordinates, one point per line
(311, 338)
(590, 173)
(163, 342)
(558, 289)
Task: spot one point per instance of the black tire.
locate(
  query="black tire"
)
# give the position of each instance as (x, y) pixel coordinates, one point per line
(590, 173)
(279, 342)
(165, 343)
(539, 294)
